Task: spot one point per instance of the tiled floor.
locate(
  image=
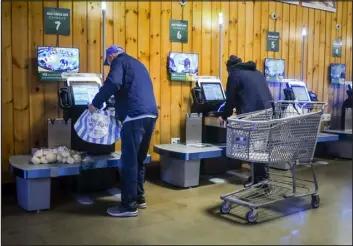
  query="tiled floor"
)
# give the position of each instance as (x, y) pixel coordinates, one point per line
(191, 216)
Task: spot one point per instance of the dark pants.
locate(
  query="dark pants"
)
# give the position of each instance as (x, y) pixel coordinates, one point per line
(135, 140)
(260, 171)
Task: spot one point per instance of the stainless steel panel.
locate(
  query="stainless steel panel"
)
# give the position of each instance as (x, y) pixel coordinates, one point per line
(348, 119)
(59, 133)
(193, 134)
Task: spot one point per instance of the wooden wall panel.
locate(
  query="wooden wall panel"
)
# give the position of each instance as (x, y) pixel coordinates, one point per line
(80, 32)
(20, 76)
(264, 28)
(142, 28)
(94, 18)
(165, 115)
(175, 86)
(225, 38)
(155, 68)
(186, 86)
(241, 30)
(7, 137)
(233, 28)
(36, 88)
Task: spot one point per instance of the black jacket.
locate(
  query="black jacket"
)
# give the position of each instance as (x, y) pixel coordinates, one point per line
(247, 89)
(130, 83)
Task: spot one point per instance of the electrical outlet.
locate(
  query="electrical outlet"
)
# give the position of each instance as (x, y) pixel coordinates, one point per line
(175, 140)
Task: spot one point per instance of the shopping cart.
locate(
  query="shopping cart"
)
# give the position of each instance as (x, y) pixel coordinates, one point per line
(286, 132)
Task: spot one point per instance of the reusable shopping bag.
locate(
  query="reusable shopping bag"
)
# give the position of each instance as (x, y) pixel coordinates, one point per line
(99, 127)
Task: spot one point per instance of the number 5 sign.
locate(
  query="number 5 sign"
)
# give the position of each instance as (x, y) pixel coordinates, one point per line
(57, 21)
(273, 41)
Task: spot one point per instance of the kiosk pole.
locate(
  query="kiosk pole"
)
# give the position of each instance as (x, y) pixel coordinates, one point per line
(220, 22)
(104, 7)
(304, 33)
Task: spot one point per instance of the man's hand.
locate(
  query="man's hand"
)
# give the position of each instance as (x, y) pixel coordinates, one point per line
(221, 121)
(91, 108)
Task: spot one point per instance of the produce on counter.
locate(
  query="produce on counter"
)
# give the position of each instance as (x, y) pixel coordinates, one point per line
(58, 155)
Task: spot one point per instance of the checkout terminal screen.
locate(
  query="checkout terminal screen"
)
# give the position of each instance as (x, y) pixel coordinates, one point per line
(83, 93)
(212, 91)
(300, 93)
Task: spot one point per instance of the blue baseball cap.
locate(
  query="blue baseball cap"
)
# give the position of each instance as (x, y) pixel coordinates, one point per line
(111, 50)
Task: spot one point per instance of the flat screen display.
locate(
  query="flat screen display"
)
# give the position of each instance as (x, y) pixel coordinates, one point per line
(186, 63)
(338, 73)
(83, 93)
(300, 93)
(274, 69)
(55, 59)
(212, 91)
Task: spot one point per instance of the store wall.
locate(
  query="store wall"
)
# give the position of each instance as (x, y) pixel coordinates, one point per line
(142, 28)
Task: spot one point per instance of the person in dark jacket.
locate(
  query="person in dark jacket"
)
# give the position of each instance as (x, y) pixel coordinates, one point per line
(247, 91)
(135, 107)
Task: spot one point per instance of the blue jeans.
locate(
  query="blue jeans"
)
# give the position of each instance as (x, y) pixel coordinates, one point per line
(135, 140)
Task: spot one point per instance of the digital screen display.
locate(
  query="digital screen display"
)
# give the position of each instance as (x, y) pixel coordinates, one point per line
(300, 93)
(55, 59)
(185, 63)
(84, 93)
(338, 73)
(274, 69)
(212, 91)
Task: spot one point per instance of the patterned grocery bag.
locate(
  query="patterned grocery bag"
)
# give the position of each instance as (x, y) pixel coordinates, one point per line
(99, 127)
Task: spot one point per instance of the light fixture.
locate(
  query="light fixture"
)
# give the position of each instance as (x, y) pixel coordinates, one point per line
(304, 32)
(220, 18)
(104, 6)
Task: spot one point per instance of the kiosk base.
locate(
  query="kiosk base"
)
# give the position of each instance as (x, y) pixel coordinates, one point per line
(33, 194)
(181, 173)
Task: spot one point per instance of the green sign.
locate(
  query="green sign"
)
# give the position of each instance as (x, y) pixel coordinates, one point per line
(51, 76)
(178, 31)
(273, 41)
(337, 48)
(57, 21)
(180, 77)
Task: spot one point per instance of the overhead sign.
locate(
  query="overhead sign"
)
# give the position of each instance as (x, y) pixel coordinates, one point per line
(56, 21)
(273, 41)
(178, 31)
(337, 48)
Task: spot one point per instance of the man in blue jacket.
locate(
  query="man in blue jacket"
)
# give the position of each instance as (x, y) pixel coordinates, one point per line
(247, 91)
(135, 106)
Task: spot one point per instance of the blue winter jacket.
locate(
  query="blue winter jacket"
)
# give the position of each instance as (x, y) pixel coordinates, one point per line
(130, 83)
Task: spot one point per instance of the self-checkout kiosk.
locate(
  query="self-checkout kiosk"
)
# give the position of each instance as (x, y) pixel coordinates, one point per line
(73, 99)
(209, 99)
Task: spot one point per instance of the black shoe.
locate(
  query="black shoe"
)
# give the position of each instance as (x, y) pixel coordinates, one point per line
(141, 203)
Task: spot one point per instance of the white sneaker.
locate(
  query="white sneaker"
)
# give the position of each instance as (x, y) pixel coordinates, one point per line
(121, 212)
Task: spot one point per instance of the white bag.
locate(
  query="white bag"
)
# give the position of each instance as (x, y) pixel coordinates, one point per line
(100, 127)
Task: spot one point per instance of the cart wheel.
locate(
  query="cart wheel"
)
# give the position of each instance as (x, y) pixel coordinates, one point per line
(251, 216)
(225, 208)
(315, 201)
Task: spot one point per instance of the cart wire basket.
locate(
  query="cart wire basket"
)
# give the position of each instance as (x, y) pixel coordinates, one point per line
(286, 132)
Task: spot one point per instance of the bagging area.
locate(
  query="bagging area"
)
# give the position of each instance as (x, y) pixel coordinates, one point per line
(176, 122)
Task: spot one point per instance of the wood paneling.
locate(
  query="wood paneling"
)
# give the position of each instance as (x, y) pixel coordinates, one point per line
(142, 28)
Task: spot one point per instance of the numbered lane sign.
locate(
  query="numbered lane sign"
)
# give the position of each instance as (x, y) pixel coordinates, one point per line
(178, 31)
(273, 41)
(56, 21)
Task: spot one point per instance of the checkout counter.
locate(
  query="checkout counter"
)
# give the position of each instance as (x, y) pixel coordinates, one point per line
(94, 173)
(181, 163)
(343, 147)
